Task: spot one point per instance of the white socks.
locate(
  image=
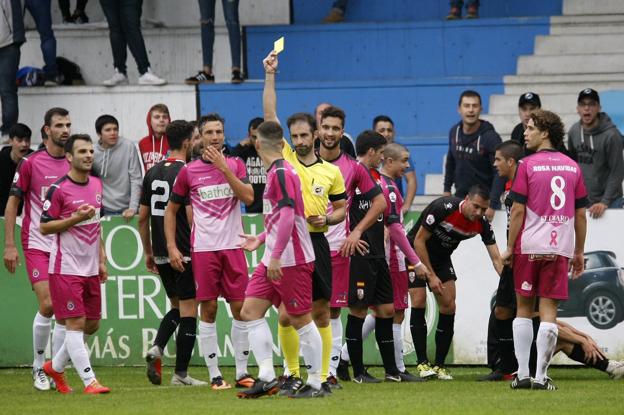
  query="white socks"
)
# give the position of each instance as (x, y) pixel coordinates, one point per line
(398, 347)
(209, 347)
(312, 351)
(261, 344)
(546, 343)
(367, 328)
(41, 336)
(58, 337)
(74, 342)
(336, 327)
(523, 338)
(240, 340)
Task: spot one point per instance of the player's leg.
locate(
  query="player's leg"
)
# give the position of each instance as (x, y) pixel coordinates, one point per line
(400, 293)
(384, 316)
(289, 344)
(41, 333)
(340, 289)
(234, 282)
(418, 326)
(445, 329)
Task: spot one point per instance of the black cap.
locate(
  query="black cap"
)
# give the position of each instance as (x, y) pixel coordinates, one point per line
(588, 93)
(530, 98)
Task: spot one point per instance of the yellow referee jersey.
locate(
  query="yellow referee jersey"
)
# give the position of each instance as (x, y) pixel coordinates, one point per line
(321, 182)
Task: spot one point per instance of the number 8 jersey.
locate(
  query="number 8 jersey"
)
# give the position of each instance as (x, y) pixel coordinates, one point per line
(551, 186)
(157, 186)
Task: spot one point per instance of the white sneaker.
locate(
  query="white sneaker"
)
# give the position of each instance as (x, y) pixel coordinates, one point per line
(149, 78)
(40, 380)
(615, 370)
(117, 79)
(178, 380)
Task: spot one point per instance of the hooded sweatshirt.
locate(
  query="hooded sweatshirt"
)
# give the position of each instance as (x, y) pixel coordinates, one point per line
(119, 168)
(152, 149)
(599, 153)
(470, 160)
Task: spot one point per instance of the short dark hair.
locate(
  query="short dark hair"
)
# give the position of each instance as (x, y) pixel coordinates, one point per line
(469, 93)
(102, 120)
(368, 139)
(302, 117)
(20, 131)
(177, 132)
(47, 118)
(254, 123)
(510, 150)
(335, 112)
(69, 144)
(479, 190)
(551, 123)
(213, 116)
(394, 150)
(381, 118)
(270, 131)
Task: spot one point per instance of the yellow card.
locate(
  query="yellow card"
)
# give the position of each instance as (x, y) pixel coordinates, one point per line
(278, 45)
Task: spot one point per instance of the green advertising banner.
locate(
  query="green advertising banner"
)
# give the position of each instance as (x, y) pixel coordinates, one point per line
(133, 302)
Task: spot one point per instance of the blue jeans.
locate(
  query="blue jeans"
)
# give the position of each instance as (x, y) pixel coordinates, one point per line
(460, 3)
(617, 203)
(40, 11)
(9, 63)
(124, 24)
(207, 16)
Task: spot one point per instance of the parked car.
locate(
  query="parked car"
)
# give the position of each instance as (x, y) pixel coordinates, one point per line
(597, 294)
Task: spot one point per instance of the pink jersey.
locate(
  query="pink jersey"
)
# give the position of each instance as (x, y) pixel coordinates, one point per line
(75, 251)
(551, 186)
(283, 188)
(394, 203)
(217, 221)
(34, 176)
(357, 179)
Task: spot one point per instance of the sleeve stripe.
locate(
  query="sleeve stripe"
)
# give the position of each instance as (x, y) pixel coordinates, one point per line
(281, 178)
(517, 197)
(339, 196)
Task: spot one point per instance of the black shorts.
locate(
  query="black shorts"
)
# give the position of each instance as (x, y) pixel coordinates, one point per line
(322, 274)
(178, 284)
(506, 293)
(443, 268)
(369, 282)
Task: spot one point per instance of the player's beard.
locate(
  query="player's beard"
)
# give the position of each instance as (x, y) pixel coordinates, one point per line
(336, 144)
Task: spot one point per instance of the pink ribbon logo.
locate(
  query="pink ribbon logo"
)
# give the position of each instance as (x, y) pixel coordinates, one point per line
(553, 238)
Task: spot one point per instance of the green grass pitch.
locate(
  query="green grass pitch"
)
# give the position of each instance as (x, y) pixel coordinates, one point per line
(581, 391)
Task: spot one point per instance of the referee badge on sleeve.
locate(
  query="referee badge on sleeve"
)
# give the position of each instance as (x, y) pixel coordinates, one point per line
(430, 219)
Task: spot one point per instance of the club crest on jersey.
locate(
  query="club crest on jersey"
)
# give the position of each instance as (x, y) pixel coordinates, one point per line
(46, 205)
(70, 305)
(392, 197)
(448, 205)
(98, 198)
(430, 219)
(16, 177)
(318, 190)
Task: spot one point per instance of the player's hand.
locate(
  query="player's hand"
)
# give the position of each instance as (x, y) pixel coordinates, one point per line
(507, 257)
(404, 209)
(318, 221)
(435, 284)
(274, 270)
(214, 156)
(498, 266)
(597, 210)
(592, 352)
(11, 258)
(84, 212)
(446, 193)
(128, 214)
(176, 259)
(150, 264)
(578, 265)
(270, 63)
(250, 242)
(103, 272)
(245, 142)
(352, 243)
(489, 214)
(421, 271)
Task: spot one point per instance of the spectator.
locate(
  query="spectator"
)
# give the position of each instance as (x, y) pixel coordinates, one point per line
(79, 15)
(337, 12)
(385, 126)
(124, 23)
(155, 146)
(117, 163)
(44, 138)
(527, 103)
(10, 156)
(470, 158)
(346, 144)
(472, 9)
(196, 142)
(596, 144)
(207, 15)
(11, 38)
(41, 13)
(256, 172)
